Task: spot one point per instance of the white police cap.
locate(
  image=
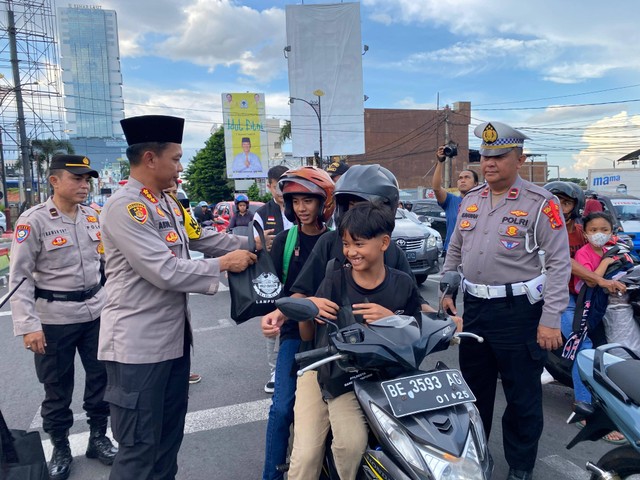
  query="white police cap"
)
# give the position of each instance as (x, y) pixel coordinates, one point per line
(498, 138)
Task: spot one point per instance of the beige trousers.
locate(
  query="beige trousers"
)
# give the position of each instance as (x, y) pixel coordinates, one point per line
(312, 420)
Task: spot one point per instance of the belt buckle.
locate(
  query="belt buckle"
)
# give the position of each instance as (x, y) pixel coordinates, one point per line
(483, 291)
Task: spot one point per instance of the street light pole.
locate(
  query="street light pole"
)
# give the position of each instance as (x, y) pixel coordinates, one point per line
(317, 108)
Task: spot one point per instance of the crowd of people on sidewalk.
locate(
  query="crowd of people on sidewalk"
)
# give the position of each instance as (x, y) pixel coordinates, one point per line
(114, 287)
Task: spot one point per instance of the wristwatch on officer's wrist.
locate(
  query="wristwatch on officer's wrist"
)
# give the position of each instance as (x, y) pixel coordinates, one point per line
(441, 159)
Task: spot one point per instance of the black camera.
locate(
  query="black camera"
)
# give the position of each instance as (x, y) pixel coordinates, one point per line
(450, 151)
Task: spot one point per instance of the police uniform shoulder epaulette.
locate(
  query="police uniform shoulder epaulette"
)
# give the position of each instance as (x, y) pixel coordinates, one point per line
(87, 210)
(533, 188)
(33, 209)
(477, 189)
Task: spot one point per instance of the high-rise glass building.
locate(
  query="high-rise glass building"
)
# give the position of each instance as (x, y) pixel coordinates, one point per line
(91, 76)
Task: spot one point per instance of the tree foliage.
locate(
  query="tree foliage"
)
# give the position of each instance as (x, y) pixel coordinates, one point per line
(254, 194)
(285, 131)
(44, 150)
(125, 169)
(206, 174)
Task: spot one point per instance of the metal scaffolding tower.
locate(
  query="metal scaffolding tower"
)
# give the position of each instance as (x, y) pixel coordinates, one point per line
(30, 87)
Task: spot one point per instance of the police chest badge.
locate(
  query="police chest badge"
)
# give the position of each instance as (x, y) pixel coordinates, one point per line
(138, 211)
(267, 285)
(172, 237)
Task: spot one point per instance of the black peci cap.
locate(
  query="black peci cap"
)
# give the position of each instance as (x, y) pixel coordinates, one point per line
(337, 168)
(76, 164)
(153, 128)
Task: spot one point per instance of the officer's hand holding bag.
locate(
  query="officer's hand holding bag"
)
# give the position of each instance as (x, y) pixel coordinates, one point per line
(254, 290)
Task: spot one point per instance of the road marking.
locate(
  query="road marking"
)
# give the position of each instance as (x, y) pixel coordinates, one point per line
(5, 314)
(222, 323)
(569, 470)
(37, 420)
(200, 421)
(221, 288)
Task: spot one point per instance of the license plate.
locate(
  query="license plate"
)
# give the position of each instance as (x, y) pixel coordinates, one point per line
(427, 391)
(411, 256)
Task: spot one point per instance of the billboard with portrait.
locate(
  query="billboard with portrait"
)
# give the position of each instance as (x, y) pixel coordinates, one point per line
(245, 135)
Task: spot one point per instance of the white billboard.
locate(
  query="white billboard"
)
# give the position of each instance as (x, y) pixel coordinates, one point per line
(324, 50)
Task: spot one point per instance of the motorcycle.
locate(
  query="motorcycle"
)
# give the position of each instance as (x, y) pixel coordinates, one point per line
(560, 367)
(613, 384)
(423, 424)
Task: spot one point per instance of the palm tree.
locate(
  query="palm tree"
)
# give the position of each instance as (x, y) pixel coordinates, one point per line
(44, 150)
(285, 131)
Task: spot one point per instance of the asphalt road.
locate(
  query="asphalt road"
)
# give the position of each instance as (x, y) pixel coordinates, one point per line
(227, 411)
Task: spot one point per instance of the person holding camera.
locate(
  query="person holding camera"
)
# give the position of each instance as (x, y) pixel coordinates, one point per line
(450, 203)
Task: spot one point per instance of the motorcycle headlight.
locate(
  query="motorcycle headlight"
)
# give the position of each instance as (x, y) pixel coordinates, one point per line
(445, 466)
(478, 430)
(398, 438)
(431, 241)
(428, 460)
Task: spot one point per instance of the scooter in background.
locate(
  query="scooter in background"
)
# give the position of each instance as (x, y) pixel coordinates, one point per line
(615, 389)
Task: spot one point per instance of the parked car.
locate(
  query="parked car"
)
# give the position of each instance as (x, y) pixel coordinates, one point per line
(430, 211)
(427, 226)
(224, 211)
(625, 211)
(3, 223)
(418, 244)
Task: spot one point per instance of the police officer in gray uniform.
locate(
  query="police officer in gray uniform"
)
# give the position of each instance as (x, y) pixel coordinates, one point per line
(57, 248)
(510, 245)
(145, 333)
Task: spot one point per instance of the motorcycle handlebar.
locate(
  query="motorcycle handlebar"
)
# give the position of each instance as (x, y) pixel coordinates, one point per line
(325, 360)
(459, 335)
(312, 355)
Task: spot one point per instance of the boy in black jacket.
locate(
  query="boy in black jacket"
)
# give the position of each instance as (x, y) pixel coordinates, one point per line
(371, 291)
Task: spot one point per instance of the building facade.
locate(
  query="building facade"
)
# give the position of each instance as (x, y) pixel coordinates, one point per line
(405, 142)
(91, 75)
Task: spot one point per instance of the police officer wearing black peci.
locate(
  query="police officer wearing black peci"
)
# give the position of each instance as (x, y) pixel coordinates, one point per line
(146, 333)
(57, 248)
(510, 243)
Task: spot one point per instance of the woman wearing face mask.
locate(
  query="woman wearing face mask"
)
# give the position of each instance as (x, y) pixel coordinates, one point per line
(598, 229)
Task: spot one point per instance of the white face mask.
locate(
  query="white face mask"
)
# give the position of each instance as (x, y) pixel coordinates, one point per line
(599, 239)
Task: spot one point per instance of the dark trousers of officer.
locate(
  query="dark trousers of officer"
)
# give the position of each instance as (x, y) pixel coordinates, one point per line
(148, 409)
(509, 327)
(56, 370)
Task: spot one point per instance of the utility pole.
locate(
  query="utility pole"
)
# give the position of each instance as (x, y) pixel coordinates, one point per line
(447, 164)
(22, 131)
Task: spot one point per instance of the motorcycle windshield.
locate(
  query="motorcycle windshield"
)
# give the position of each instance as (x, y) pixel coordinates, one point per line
(393, 341)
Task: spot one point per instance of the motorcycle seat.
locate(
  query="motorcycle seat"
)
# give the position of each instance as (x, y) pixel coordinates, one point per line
(625, 375)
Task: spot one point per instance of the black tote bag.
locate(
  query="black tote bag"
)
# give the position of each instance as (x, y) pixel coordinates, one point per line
(21, 455)
(255, 290)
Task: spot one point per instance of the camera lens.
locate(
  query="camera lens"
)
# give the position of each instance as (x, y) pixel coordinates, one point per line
(450, 151)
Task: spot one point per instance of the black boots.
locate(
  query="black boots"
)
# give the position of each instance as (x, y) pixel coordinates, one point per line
(60, 464)
(520, 474)
(100, 446)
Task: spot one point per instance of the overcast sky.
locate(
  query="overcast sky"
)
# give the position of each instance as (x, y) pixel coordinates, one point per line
(566, 72)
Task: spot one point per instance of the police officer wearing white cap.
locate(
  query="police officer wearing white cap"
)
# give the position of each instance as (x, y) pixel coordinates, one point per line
(145, 333)
(510, 244)
(57, 249)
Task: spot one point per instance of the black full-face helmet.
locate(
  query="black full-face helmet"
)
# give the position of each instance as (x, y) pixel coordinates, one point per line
(366, 182)
(570, 190)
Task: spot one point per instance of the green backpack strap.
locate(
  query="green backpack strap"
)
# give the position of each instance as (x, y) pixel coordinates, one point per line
(289, 247)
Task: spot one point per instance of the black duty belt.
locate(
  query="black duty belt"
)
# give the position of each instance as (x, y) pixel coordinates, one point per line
(56, 296)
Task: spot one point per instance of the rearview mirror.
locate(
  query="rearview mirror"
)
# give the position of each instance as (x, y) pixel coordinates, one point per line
(297, 309)
(450, 282)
